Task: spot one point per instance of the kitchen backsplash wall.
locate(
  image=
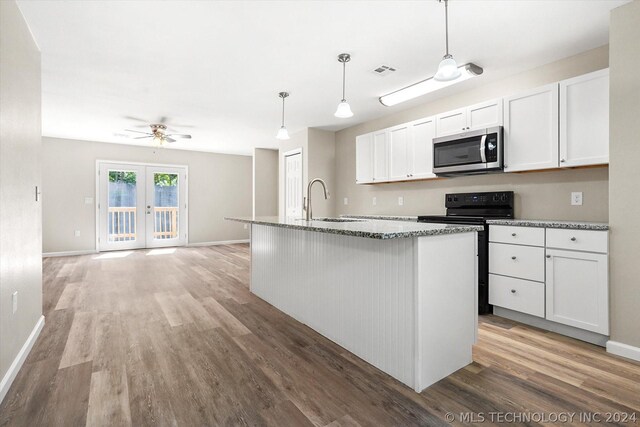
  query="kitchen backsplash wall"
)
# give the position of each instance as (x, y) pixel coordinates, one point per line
(543, 195)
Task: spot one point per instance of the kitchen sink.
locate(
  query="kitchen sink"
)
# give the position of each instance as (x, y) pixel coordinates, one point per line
(334, 219)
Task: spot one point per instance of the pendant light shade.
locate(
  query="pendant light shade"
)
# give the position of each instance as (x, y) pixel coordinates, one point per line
(283, 133)
(448, 68)
(344, 110)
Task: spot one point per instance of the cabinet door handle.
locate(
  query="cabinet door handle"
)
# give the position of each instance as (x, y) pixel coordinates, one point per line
(513, 291)
(562, 160)
(573, 239)
(513, 234)
(513, 258)
(549, 256)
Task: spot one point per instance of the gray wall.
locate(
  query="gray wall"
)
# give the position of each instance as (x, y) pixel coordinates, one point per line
(624, 175)
(219, 186)
(265, 182)
(544, 195)
(20, 214)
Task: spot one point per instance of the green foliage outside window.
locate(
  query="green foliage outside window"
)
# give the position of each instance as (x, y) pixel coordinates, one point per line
(160, 179)
(121, 176)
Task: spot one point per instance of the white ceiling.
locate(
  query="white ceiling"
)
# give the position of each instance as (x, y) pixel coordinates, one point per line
(218, 65)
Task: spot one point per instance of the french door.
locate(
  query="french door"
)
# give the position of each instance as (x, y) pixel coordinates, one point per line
(141, 206)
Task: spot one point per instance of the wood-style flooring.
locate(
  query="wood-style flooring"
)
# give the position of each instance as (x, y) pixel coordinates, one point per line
(164, 337)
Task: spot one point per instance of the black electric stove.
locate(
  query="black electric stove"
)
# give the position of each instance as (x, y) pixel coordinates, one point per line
(475, 209)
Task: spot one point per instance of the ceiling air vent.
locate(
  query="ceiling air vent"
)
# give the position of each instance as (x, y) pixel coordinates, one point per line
(384, 70)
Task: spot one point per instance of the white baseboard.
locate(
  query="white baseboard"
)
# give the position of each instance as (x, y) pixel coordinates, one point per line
(6, 382)
(69, 253)
(220, 242)
(624, 350)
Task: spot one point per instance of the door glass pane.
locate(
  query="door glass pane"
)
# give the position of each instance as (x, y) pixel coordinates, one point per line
(121, 221)
(166, 222)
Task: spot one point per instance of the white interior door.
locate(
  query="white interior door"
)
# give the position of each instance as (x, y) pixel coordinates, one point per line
(141, 206)
(121, 206)
(165, 208)
(293, 184)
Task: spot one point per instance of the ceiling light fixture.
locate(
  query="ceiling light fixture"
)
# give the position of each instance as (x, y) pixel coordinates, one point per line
(448, 69)
(448, 73)
(467, 71)
(344, 110)
(282, 132)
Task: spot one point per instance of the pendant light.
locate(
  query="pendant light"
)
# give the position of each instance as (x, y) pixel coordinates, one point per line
(344, 110)
(282, 132)
(448, 69)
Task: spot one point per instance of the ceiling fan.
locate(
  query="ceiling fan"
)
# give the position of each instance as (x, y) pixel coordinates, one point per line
(158, 131)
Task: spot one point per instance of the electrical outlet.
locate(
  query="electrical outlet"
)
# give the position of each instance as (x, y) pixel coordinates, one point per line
(76, 233)
(14, 300)
(576, 198)
(246, 226)
(400, 201)
(346, 201)
(374, 201)
(88, 200)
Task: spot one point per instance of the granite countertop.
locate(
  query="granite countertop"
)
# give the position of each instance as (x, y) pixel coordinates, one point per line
(571, 225)
(374, 229)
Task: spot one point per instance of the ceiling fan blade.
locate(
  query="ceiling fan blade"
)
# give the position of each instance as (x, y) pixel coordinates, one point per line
(169, 139)
(143, 137)
(141, 126)
(179, 135)
(137, 131)
(136, 119)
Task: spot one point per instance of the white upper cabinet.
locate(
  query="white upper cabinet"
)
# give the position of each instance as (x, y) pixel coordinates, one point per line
(364, 158)
(483, 115)
(421, 148)
(398, 140)
(452, 122)
(531, 129)
(380, 157)
(584, 119)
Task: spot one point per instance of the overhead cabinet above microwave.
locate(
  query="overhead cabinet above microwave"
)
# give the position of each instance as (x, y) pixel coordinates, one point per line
(563, 124)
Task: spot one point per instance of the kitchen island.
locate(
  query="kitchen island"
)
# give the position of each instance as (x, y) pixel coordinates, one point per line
(400, 295)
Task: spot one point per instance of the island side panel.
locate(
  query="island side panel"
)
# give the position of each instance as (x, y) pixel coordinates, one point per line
(447, 307)
(356, 291)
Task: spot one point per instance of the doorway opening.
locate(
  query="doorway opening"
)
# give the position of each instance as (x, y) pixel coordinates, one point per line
(140, 206)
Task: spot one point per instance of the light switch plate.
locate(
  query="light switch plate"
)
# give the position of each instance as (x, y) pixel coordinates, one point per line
(14, 299)
(76, 233)
(88, 200)
(346, 201)
(576, 198)
(374, 201)
(400, 201)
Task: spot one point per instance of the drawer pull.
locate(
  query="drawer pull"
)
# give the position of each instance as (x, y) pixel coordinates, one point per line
(573, 239)
(513, 291)
(513, 258)
(548, 256)
(513, 234)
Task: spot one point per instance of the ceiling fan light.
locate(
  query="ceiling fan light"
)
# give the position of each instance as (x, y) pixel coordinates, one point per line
(447, 70)
(282, 133)
(344, 110)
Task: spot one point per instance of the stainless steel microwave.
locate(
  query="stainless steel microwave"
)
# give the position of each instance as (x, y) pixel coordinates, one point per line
(469, 153)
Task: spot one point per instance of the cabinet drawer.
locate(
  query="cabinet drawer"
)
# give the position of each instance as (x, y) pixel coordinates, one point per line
(578, 240)
(517, 235)
(524, 262)
(517, 294)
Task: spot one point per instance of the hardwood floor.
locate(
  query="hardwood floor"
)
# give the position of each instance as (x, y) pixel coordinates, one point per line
(152, 338)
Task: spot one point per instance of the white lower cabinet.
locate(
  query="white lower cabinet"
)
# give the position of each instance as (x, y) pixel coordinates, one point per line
(561, 275)
(577, 289)
(520, 295)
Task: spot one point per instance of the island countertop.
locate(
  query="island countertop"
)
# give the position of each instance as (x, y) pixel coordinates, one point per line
(373, 229)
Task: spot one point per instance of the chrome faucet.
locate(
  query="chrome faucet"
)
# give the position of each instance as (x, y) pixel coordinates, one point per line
(307, 200)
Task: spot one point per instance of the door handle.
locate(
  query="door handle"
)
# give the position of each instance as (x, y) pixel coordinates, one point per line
(483, 148)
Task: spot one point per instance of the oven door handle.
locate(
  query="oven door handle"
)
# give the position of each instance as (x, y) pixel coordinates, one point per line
(483, 148)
